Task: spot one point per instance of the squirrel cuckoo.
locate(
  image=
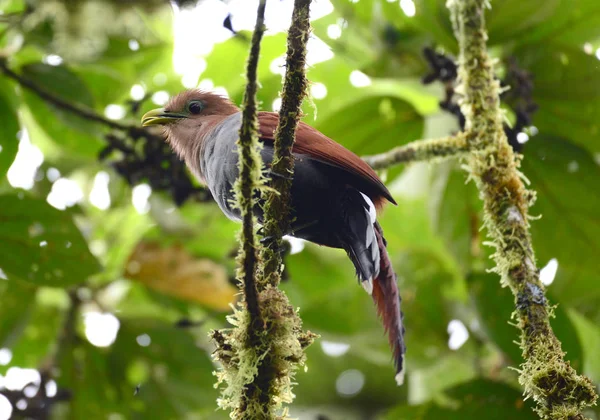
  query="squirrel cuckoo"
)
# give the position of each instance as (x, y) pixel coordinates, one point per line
(334, 194)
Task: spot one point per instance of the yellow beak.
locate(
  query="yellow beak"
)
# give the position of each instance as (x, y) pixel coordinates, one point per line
(160, 117)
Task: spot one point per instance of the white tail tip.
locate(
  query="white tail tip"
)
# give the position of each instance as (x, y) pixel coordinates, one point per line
(400, 378)
(367, 285)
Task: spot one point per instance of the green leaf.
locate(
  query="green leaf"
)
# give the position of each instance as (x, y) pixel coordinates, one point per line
(495, 305)
(75, 134)
(567, 91)
(9, 144)
(373, 125)
(589, 335)
(174, 375)
(566, 180)
(17, 299)
(41, 244)
(480, 398)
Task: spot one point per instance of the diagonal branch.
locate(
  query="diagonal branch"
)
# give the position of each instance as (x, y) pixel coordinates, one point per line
(546, 377)
(421, 150)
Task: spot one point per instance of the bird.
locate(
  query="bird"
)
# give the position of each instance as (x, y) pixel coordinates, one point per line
(335, 195)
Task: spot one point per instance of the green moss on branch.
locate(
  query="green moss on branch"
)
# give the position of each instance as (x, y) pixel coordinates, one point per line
(421, 150)
(277, 206)
(546, 377)
(262, 352)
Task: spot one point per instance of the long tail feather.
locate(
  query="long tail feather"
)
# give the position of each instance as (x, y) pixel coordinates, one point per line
(387, 301)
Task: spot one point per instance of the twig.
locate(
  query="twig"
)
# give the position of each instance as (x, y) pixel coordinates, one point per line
(78, 110)
(277, 207)
(420, 150)
(555, 386)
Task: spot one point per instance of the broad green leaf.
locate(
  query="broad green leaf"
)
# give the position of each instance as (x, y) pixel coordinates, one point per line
(474, 399)
(17, 300)
(589, 335)
(173, 373)
(565, 178)
(41, 244)
(9, 143)
(567, 91)
(38, 336)
(456, 214)
(227, 61)
(373, 125)
(495, 306)
(75, 134)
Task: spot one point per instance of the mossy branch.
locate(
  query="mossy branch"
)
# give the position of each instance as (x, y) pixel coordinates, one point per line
(421, 150)
(277, 206)
(546, 377)
(262, 352)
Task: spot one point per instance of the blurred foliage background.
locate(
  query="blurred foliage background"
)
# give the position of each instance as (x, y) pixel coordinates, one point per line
(114, 265)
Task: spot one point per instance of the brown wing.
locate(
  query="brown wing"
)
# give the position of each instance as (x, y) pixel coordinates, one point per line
(315, 144)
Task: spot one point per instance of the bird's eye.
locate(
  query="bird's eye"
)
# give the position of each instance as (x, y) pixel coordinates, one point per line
(195, 107)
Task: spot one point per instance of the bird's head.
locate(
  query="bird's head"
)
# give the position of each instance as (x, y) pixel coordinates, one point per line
(188, 118)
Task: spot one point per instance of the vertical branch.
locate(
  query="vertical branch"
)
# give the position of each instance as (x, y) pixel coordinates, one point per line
(277, 206)
(555, 386)
(249, 178)
(262, 352)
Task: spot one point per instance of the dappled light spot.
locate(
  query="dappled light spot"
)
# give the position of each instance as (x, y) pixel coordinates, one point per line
(101, 329)
(114, 112)
(52, 174)
(51, 388)
(458, 334)
(573, 166)
(522, 138)
(17, 378)
(6, 408)
(100, 196)
(276, 105)
(277, 66)
(359, 79)
(133, 44)
(3, 275)
(408, 7)
(548, 273)
(588, 48)
(206, 84)
(598, 53)
(334, 31)
(159, 79)
(317, 51)
(21, 404)
(220, 90)
(137, 92)
(43, 244)
(160, 98)
(29, 158)
(5, 356)
(52, 60)
(139, 198)
(98, 247)
(350, 383)
(318, 90)
(64, 193)
(143, 340)
(333, 349)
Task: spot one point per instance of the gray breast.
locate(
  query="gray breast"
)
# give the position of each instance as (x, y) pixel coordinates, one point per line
(218, 162)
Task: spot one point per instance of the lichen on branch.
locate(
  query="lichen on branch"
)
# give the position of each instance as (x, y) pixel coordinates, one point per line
(559, 392)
